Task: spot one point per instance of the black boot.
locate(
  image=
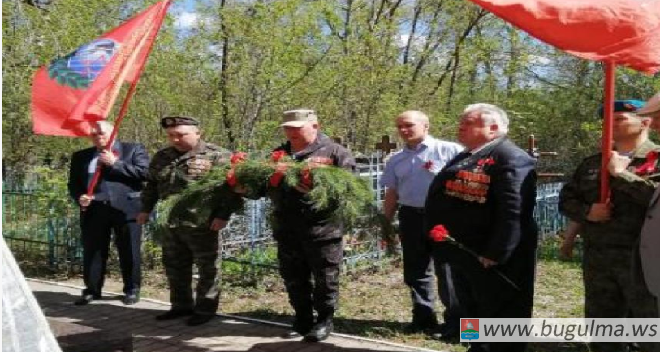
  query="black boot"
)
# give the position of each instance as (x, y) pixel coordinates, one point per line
(301, 326)
(174, 313)
(131, 299)
(86, 299)
(199, 319)
(321, 330)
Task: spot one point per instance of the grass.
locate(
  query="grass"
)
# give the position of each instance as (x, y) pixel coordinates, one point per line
(375, 303)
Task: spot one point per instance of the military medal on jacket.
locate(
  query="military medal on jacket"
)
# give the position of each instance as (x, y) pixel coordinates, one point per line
(471, 185)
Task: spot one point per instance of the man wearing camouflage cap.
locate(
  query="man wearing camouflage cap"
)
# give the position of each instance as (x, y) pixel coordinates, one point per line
(196, 239)
(309, 242)
(611, 230)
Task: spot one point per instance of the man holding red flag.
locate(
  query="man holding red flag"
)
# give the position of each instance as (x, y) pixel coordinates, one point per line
(611, 230)
(111, 208)
(77, 91)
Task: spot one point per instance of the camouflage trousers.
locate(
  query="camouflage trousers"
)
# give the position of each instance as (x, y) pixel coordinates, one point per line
(612, 291)
(183, 247)
(299, 262)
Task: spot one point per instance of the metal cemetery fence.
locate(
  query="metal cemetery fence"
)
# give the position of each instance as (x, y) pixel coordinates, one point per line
(36, 227)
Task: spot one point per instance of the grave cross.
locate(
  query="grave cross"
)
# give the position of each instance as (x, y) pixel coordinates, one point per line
(385, 145)
(534, 152)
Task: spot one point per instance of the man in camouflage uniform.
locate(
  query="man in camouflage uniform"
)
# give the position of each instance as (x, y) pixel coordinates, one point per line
(194, 239)
(309, 242)
(611, 230)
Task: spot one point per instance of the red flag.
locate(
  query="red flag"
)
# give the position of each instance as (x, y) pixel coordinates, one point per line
(626, 32)
(82, 87)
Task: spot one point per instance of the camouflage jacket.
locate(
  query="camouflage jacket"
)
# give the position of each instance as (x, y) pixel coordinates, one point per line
(631, 192)
(170, 171)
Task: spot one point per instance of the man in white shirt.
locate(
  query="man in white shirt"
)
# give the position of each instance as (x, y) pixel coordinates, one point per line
(407, 176)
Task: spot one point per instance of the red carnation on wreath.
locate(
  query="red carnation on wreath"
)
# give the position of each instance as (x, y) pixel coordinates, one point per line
(486, 161)
(277, 155)
(238, 157)
(649, 165)
(278, 175)
(428, 165)
(306, 176)
(231, 178)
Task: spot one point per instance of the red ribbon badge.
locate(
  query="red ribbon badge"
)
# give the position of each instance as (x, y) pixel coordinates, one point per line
(649, 165)
(486, 161)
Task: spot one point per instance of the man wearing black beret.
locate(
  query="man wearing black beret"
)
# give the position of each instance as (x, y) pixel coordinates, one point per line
(192, 238)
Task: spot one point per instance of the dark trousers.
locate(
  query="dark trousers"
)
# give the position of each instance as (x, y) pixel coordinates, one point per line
(97, 223)
(418, 272)
(183, 247)
(476, 286)
(300, 260)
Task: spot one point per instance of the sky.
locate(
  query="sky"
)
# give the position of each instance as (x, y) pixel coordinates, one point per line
(184, 13)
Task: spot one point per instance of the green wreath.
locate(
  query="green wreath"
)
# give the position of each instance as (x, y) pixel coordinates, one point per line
(334, 191)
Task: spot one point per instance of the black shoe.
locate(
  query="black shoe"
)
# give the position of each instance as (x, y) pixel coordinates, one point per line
(417, 328)
(320, 331)
(298, 330)
(86, 299)
(174, 313)
(131, 299)
(199, 319)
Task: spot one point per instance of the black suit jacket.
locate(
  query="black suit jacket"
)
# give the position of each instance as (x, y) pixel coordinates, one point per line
(123, 181)
(486, 201)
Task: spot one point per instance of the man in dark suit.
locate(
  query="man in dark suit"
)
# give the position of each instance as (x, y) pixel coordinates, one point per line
(113, 207)
(485, 199)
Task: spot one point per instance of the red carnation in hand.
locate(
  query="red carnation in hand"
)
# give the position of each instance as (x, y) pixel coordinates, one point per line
(238, 157)
(277, 155)
(428, 165)
(439, 233)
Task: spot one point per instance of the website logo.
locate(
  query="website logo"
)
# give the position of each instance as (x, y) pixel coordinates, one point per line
(469, 329)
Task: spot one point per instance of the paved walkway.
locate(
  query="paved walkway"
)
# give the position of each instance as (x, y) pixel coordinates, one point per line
(108, 325)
